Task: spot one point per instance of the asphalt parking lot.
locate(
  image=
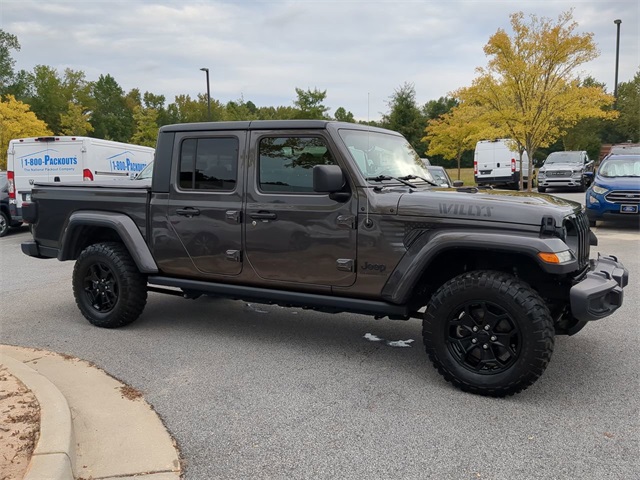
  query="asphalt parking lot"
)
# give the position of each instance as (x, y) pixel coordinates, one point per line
(253, 391)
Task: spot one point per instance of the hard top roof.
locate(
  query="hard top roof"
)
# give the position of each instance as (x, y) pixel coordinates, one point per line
(269, 125)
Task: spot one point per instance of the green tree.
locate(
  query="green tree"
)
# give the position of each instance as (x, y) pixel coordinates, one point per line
(157, 102)
(8, 42)
(529, 88)
(436, 108)
(111, 118)
(77, 89)
(343, 116)
(48, 100)
(310, 104)
(146, 126)
(405, 116)
(278, 113)
(240, 110)
(75, 121)
(628, 104)
(17, 121)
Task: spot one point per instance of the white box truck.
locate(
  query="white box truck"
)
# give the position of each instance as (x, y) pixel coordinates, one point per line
(68, 159)
(497, 162)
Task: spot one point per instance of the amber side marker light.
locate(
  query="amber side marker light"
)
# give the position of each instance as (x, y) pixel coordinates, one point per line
(560, 257)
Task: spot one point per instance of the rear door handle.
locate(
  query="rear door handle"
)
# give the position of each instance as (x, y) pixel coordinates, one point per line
(263, 216)
(188, 212)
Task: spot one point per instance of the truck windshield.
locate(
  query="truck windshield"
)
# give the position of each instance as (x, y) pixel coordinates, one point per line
(384, 155)
(563, 157)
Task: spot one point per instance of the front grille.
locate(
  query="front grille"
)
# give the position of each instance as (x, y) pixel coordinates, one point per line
(559, 173)
(623, 196)
(577, 227)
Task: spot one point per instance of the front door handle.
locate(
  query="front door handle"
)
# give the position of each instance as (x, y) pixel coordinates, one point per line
(188, 212)
(263, 216)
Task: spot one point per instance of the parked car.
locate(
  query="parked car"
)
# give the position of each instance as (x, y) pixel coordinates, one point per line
(615, 192)
(442, 178)
(566, 169)
(7, 219)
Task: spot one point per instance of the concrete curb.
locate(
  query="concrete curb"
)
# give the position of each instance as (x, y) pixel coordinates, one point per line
(54, 455)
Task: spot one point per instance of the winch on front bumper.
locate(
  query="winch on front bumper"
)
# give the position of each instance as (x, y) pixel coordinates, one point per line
(600, 292)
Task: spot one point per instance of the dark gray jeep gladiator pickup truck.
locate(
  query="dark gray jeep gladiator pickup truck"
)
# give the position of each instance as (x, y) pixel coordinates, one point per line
(335, 217)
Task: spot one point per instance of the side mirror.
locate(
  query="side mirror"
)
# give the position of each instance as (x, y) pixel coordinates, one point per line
(330, 179)
(458, 183)
(327, 178)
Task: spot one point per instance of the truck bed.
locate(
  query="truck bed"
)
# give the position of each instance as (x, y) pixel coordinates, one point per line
(56, 202)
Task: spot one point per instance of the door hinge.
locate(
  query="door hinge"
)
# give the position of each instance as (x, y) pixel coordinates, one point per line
(346, 221)
(234, 255)
(233, 216)
(345, 264)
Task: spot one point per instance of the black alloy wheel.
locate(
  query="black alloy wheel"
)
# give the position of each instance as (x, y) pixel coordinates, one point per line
(484, 338)
(101, 287)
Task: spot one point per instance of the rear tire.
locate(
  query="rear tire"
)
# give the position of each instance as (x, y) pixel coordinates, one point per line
(109, 289)
(488, 333)
(4, 224)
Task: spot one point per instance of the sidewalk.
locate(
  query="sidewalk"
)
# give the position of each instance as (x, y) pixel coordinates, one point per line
(91, 425)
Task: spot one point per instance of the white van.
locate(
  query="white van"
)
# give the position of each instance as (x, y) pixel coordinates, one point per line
(69, 159)
(495, 163)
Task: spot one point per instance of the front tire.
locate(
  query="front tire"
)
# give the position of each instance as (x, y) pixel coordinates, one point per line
(488, 333)
(541, 189)
(583, 185)
(109, 289)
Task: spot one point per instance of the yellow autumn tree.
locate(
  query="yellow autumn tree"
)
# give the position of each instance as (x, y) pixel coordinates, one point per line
(451, 134)
(17, 121)
(530, 88)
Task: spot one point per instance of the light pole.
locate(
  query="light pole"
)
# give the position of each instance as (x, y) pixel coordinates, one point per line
(615, 87)
(206, 70)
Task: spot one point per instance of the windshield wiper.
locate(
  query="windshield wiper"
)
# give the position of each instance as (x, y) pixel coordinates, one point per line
(381, 178)
(413, 177)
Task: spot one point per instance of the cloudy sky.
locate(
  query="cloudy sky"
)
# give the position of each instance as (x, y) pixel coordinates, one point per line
(359, 51)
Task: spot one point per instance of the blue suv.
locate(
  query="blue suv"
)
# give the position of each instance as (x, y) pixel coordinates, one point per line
(615, 192)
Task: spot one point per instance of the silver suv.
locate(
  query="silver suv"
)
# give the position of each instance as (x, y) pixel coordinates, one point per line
(566, 169)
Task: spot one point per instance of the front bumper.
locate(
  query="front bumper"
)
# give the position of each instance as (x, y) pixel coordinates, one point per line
(600, 292)
(559, 182)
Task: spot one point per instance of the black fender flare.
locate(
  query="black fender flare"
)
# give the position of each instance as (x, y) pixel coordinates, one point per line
(430, 244)
(123, 225)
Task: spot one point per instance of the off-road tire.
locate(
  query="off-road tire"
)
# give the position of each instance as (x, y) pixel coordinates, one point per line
(511, 311)
(109, 289)
(4, 224)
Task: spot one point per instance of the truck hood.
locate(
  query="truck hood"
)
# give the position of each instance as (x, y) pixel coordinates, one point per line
(561, 166)
(486, 205)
